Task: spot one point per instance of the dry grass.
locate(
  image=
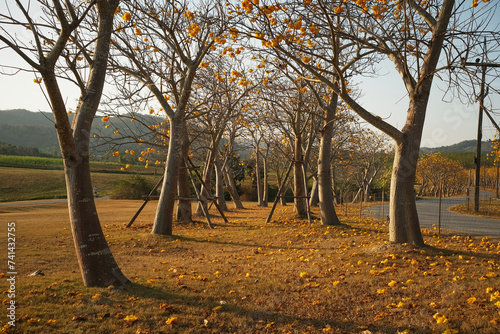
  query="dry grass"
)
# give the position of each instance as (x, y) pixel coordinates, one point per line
(251, 277)
(489, 208)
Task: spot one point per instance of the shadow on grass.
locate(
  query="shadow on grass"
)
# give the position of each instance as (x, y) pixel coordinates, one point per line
(250, 318)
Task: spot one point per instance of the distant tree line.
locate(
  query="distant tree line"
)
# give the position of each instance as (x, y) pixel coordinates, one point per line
(8, 149)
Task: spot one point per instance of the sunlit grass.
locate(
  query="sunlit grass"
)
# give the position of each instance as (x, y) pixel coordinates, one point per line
(487, 208)
(250, 277)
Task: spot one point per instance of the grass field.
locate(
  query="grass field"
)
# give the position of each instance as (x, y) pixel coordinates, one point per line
(22, 184)
(489, 208)
(251, 277)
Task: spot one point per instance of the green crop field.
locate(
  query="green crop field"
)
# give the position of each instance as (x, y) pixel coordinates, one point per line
(21, 184)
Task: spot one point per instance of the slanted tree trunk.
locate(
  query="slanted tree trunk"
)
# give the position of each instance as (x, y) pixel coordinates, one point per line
(96, 261)
(325, 191)
(231, 186)
(207, 180)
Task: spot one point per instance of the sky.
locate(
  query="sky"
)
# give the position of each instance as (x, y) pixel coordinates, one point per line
(446, 123)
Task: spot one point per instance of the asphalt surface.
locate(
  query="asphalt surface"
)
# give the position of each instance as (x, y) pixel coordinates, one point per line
(428, 214)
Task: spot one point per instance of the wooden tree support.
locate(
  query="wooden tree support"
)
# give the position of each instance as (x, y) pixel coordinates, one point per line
(146, 200)
(278, 195)
(191, 166)
(199, 198)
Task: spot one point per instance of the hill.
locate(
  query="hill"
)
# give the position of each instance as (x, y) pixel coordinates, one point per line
(24, 128)
(21, 127)
(466, 146)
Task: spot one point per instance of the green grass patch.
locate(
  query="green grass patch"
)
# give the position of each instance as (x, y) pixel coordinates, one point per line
(22, 184)
(30, 162)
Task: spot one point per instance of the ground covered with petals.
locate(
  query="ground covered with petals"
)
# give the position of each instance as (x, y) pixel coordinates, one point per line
(247, 276)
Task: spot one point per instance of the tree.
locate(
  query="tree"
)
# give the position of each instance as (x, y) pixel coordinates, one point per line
(441, 174)
(409, 34)
(162, 49)
(61, 41)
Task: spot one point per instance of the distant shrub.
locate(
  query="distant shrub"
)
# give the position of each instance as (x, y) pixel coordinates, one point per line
(132, 188)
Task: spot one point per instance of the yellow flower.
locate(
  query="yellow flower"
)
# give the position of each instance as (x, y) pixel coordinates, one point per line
(306, 59)
(381, 291)
(126, 16)
(171, 321)
(204, 65)
(392, 283)
(38, 81)
(116, 153)
(130, 318)
(434, 305)
(440, 318)
(471, 300)
(450, 331)
(304, 274)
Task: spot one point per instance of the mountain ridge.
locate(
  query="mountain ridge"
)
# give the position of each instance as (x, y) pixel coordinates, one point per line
(22, 127)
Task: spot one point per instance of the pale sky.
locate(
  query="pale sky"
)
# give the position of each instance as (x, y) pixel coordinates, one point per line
(446, 123)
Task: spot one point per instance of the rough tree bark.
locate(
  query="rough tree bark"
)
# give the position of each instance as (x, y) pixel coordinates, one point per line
(163, 218)
(298, 179)
(219, 185)
(325, 191)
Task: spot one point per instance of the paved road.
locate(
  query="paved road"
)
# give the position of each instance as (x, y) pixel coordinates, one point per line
(428, 215)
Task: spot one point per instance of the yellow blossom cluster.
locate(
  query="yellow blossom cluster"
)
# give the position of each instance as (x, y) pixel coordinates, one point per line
(193, 29)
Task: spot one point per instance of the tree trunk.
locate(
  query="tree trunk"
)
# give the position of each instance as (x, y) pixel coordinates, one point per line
(96, 261)
(260, 194)
(265, 194)
(314, 199)
(207, 180)
(337, 199)
(298, 180)
(368, 191)
(219, 185)
(404, 225)
(165, 208)
(231, 186)
(97, 264)
(184, 211)
(325, 191)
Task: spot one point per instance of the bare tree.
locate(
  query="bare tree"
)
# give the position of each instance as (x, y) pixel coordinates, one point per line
(409, 34)
(162, 48)
(62, 39)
